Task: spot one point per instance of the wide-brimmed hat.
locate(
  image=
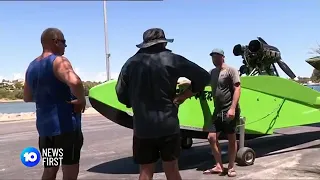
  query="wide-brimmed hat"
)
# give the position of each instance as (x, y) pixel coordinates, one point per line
(153, 36)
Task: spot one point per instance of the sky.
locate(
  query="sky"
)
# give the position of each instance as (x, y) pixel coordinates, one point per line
(197, 27)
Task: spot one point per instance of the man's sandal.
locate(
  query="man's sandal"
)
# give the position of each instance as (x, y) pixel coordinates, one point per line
(212, 171)
(232, 173)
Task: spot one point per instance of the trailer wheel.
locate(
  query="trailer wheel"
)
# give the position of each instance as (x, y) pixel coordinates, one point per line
(246, 156)
(186, 143)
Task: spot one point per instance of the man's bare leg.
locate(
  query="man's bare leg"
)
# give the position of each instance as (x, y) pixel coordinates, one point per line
(232, 152)
(146, 171)
(171, 169)
(216, 151)
(50, 173)
(70, 172)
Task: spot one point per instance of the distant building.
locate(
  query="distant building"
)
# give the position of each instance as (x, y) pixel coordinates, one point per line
(10, 85)
(20, 80)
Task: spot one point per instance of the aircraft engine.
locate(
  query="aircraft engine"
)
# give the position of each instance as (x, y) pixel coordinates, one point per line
(259, 58)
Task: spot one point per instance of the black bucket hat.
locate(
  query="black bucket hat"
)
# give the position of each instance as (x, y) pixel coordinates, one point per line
(153, 36)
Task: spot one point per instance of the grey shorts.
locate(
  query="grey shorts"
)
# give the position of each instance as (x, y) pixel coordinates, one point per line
(223, 124)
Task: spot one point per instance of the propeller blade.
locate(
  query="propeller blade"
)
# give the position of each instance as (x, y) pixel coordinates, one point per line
(262, 40)
(285, 68)
(267, 45)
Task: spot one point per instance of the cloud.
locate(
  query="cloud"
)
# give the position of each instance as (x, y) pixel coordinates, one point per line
(114, 75)
(17, 76)
(94, 76)
(14, 76)
(2, 77)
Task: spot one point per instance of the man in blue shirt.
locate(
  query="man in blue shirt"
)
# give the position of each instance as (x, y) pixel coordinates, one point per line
(58, 93)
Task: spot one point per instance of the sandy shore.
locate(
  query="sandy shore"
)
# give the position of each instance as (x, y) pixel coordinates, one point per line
(31, 115)
(10, 100)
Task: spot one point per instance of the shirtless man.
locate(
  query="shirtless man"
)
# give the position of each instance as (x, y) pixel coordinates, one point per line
(225, 83)
(58, 92)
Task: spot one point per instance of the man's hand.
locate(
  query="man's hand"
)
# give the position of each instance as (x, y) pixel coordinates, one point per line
(179, 100)
(231, 113)
(79, 105)
(182, 97)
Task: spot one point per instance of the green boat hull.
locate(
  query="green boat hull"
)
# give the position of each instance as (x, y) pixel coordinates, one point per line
(267, 102)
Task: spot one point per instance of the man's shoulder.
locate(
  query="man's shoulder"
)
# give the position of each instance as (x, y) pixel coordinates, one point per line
(179, 57)
(233, 73)
(60, 58)
(231, 68)
(174, 54)
(132, 59)
(59, 61)
(213, 70)
(33, 63)
(168, 54)
(30, 67)
(128, 63)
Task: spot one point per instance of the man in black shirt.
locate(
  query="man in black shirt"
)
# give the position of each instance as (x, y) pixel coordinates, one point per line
(147, 83)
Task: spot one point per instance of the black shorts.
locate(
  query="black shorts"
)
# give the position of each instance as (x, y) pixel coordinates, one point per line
(221, 124)
(146, 151)
(71, 143)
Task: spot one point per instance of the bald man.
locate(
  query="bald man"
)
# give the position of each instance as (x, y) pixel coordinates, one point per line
(58, 92)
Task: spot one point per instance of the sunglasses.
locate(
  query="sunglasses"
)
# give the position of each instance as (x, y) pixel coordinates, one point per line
(63, 41)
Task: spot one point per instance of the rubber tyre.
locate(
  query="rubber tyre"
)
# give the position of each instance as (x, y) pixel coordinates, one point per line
(245, 156)
(186, 143)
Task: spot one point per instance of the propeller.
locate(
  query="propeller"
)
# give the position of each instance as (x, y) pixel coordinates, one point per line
(262, 40)
(261, 45)
(238, 50)
(285, 68)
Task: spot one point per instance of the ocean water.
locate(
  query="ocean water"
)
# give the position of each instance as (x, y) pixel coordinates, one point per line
(315, 87)
(18, 107)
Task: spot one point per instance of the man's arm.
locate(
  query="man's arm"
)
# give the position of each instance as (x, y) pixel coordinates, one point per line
(27, 93)
(64, 72)
(122, 86)
(236, 86)
(198, 76)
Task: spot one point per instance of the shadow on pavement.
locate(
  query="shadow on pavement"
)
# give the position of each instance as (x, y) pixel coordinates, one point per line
(315, 171)
(198, 157)
(312, 125)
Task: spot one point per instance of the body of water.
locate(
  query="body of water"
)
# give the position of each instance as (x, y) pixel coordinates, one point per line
(18, 107)
(315, 87)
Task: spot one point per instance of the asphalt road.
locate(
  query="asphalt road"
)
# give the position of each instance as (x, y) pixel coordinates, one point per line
(107, 154)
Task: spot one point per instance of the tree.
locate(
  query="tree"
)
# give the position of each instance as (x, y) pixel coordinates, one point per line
(15, 91)
(88, 85)
(315, 77)
(18, 85)
(317, 50)
(303, 80)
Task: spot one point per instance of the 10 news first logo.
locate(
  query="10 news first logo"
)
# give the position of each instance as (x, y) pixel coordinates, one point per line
(30, 156)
